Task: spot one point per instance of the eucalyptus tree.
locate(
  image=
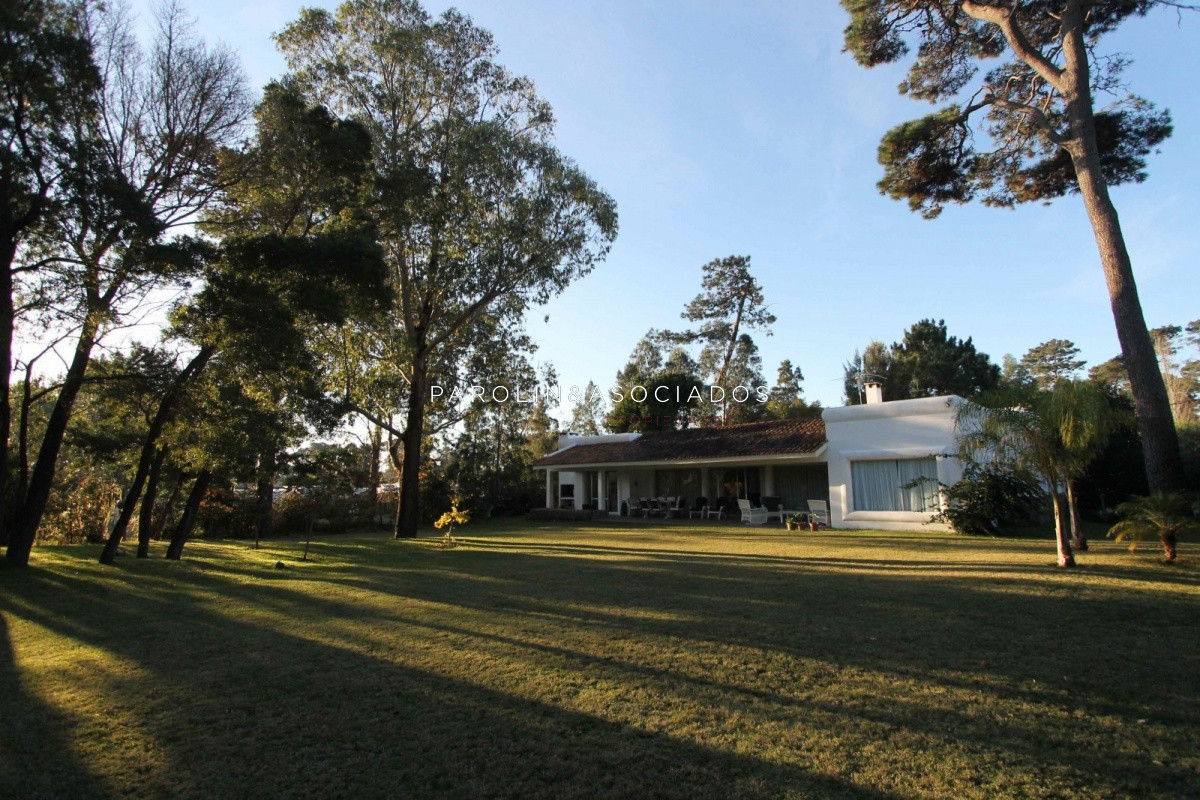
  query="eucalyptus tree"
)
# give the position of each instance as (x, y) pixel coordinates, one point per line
(477, 211)
(145, 164)
(1180, 378)
(1042, 137)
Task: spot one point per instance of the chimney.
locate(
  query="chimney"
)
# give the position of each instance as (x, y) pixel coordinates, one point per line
(874, 393)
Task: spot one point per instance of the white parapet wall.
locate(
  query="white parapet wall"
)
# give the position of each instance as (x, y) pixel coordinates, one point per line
(899, 430)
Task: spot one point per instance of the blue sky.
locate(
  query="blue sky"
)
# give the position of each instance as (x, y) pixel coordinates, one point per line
(724, 129)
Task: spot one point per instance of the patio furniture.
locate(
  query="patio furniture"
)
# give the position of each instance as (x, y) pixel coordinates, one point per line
(700, 509)
(818, 511)
(752, 515)
(677, 508)
(717, 510)
(774, 507)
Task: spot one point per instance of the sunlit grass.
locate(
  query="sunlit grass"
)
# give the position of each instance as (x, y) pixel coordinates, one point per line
(604, 661)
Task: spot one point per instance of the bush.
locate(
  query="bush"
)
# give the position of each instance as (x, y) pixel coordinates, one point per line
(327, 511)
(225, 514)
(989, 499)
(79, 509)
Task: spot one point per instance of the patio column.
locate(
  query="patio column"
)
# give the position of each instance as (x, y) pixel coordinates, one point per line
(549, 489)
(602, 491)
(769, 480)
(704, 484)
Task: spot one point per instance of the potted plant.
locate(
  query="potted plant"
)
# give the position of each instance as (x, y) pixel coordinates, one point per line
(794, 522)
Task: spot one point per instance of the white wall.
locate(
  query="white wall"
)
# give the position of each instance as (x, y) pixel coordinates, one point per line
(894, 430)
(575, 478)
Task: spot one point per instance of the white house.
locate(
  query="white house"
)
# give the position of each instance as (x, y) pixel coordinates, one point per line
(877, 465)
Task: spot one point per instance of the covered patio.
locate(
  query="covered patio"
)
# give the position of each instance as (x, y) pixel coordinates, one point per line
(781, 459)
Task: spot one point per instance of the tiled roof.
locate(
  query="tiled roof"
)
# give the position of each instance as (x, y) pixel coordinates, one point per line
(773, 438)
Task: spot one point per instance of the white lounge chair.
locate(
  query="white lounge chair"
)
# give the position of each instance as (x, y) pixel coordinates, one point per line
(818, 511)
(752, 515)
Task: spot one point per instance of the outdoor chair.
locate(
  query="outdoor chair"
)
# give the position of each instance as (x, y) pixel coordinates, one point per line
(677, 507)
(818, 511)
(774, 507)
(752, 515)
(700, 509)
(717, 510)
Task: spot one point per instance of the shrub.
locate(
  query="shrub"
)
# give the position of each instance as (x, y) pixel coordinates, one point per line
(225, 514)
(326, 511)
(990, 498)
(79, 509)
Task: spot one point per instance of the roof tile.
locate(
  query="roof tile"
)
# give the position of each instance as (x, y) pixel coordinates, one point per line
(771, 438)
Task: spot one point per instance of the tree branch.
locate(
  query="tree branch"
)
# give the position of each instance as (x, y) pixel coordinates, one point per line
(1002, 18)
(1034, 113)
(387, 426)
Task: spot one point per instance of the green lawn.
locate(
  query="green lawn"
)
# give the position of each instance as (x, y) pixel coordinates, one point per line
(604, 661)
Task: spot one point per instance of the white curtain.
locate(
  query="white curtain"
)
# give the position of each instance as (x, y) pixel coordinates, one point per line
(903, 485)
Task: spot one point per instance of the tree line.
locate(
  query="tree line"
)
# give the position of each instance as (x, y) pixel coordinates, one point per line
(707, 375)
(379, 220)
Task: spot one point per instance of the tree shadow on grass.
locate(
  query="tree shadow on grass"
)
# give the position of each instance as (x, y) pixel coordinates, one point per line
(37, 758)
(327, 721)
(979, 640)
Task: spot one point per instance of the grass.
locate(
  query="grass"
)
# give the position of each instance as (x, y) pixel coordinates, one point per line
(603, 661)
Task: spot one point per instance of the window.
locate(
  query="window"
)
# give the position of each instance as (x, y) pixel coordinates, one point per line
(908, 484)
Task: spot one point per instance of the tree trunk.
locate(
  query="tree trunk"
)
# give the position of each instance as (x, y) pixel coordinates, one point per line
(33, 504)
(410, 479)
(8, 251)
(1168, 543)
(160, 519)
(1065, 557)
(146, 515)
(394, 448)
(266, 494)
(1078, 541)
(1160, 443)
(375, 468)
(188, 521)
(166, 408)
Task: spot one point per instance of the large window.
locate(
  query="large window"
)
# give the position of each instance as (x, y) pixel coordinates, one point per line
(908, 484)
(677, 482)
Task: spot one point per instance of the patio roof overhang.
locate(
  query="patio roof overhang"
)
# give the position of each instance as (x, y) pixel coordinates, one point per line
(816, 456)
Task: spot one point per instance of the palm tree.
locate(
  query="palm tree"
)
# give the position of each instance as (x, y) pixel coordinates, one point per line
(1163, 515)
(1052, 434)
(1085, 418)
